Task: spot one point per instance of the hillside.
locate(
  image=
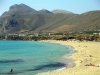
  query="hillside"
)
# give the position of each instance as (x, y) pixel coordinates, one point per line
(22, 17)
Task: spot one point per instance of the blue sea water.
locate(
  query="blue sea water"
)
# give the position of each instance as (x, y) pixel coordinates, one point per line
(31, 57)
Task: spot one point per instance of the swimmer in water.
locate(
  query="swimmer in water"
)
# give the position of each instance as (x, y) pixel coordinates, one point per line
(11, 70)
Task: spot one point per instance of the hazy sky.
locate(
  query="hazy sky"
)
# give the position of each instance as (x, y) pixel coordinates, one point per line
(75, 6)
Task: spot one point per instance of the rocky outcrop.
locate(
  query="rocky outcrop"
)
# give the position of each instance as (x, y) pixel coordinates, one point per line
(9, 25)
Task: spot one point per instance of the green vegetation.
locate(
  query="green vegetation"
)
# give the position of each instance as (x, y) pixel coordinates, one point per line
(54, 36)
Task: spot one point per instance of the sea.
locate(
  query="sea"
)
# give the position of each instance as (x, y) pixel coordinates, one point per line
(32, 57)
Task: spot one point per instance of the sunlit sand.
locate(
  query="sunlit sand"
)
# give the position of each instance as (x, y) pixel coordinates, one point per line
(87, 59)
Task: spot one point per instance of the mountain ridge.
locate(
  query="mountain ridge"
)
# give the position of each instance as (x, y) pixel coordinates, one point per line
(22, 17)
(61, 11)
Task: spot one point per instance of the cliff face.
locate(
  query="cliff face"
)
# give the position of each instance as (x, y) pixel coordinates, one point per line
(9, 25)
(22, 17)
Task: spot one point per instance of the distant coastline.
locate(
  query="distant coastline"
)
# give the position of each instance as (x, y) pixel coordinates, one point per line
(88, 36)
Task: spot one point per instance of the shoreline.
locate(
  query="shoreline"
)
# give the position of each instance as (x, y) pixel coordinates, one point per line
(87, 52)
(66, 56)
(70, 63)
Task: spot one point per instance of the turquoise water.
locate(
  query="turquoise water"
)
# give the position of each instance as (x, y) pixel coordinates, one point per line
(30, 57)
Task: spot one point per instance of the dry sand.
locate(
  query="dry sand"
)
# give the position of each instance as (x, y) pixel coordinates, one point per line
(88, 52)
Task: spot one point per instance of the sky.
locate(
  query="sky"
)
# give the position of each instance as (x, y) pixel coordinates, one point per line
(75, 6)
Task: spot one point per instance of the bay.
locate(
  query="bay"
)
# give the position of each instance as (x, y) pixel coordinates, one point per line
(31, 57)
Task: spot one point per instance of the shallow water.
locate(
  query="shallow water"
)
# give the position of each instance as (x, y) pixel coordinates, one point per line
(30, 57)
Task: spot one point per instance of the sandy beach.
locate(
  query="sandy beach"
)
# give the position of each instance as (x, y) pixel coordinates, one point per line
(87, 59)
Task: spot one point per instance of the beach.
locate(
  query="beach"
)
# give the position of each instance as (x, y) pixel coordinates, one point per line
(86, 59)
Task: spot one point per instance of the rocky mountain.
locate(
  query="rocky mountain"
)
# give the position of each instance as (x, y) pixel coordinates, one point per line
(23, 9)
(22, 17)
(44, 11)
(18, 9)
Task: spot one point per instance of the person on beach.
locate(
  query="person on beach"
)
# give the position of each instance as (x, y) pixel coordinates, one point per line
(90, 55)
